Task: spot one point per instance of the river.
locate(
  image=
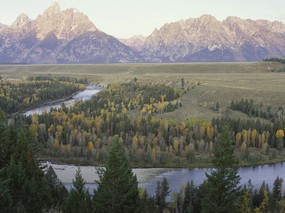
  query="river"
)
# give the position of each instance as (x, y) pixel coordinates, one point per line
(148, 178)
(83, 95)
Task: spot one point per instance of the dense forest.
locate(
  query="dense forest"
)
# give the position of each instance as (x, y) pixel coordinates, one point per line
(26, 186)
(83, 133)
(17, 95)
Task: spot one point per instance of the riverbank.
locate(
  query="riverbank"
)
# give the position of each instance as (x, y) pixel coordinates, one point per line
(44, 103)
(177, 177)
(273, 156)
(56, 103)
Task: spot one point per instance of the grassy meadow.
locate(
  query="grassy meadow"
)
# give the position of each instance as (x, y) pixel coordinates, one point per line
(213, 82)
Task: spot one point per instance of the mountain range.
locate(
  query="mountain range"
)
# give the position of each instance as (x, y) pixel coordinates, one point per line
(68, 36)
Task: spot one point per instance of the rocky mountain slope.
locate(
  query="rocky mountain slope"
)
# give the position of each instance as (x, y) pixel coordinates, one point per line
(59, 36)
(2, 26)
(68, 36)
(207, 39)
(135, 42)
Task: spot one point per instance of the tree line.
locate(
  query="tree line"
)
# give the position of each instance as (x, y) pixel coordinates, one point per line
(253, 110)
(279, 60)
(17, 95)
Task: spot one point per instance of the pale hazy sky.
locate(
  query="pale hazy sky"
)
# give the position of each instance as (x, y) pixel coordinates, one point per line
(124, 18)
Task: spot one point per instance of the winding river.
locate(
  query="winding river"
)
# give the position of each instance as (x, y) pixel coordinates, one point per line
(83, 95)
(148, 178)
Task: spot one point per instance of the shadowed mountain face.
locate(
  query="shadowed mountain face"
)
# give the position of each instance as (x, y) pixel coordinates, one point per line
(68, 36)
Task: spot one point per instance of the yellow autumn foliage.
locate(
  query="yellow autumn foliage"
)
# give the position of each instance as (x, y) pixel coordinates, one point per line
(280, 133)
(90, 146)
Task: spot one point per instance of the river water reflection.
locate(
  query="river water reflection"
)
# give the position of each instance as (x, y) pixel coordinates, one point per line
(148, 178)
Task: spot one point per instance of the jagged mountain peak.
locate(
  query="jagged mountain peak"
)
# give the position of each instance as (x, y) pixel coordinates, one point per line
(60, 36)
(207, 39)
(53, 9)
(204, 21)
(275, 26)
(233, 19)
(21, 21)
(68, 36)
(66, 24)
(207, 17)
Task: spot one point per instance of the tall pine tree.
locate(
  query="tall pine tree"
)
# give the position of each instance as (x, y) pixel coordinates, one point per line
(117, 190)
(276, 194)
(162, 191)
(190, 198)
(223, 191)
(79, 199)
(24, 187)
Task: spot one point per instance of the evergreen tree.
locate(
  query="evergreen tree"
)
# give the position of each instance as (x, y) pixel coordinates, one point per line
(264, 204)
(162, 191)
(79, 198)
(182, 83)
(222, 184)
(245, 202)
(179, 208)
(117, 190)
(202, 190)
(58, 191)
(258, 195)
(16, 185)
(190, 197)
(276, 194)
(147, 204)
(23, 184)
(5, 145)
(157, 193)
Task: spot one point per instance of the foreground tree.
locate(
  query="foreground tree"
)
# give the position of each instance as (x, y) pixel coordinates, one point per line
(79, 198)
(162, 191)
(245, 206)
(5, 141)
(147, 203)
(58, 191)
(276, 195)
(222, 184)
(190, 198)
(23, 185)
(117, 186)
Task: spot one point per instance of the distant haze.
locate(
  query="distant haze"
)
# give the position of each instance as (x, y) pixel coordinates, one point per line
(126, 18)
